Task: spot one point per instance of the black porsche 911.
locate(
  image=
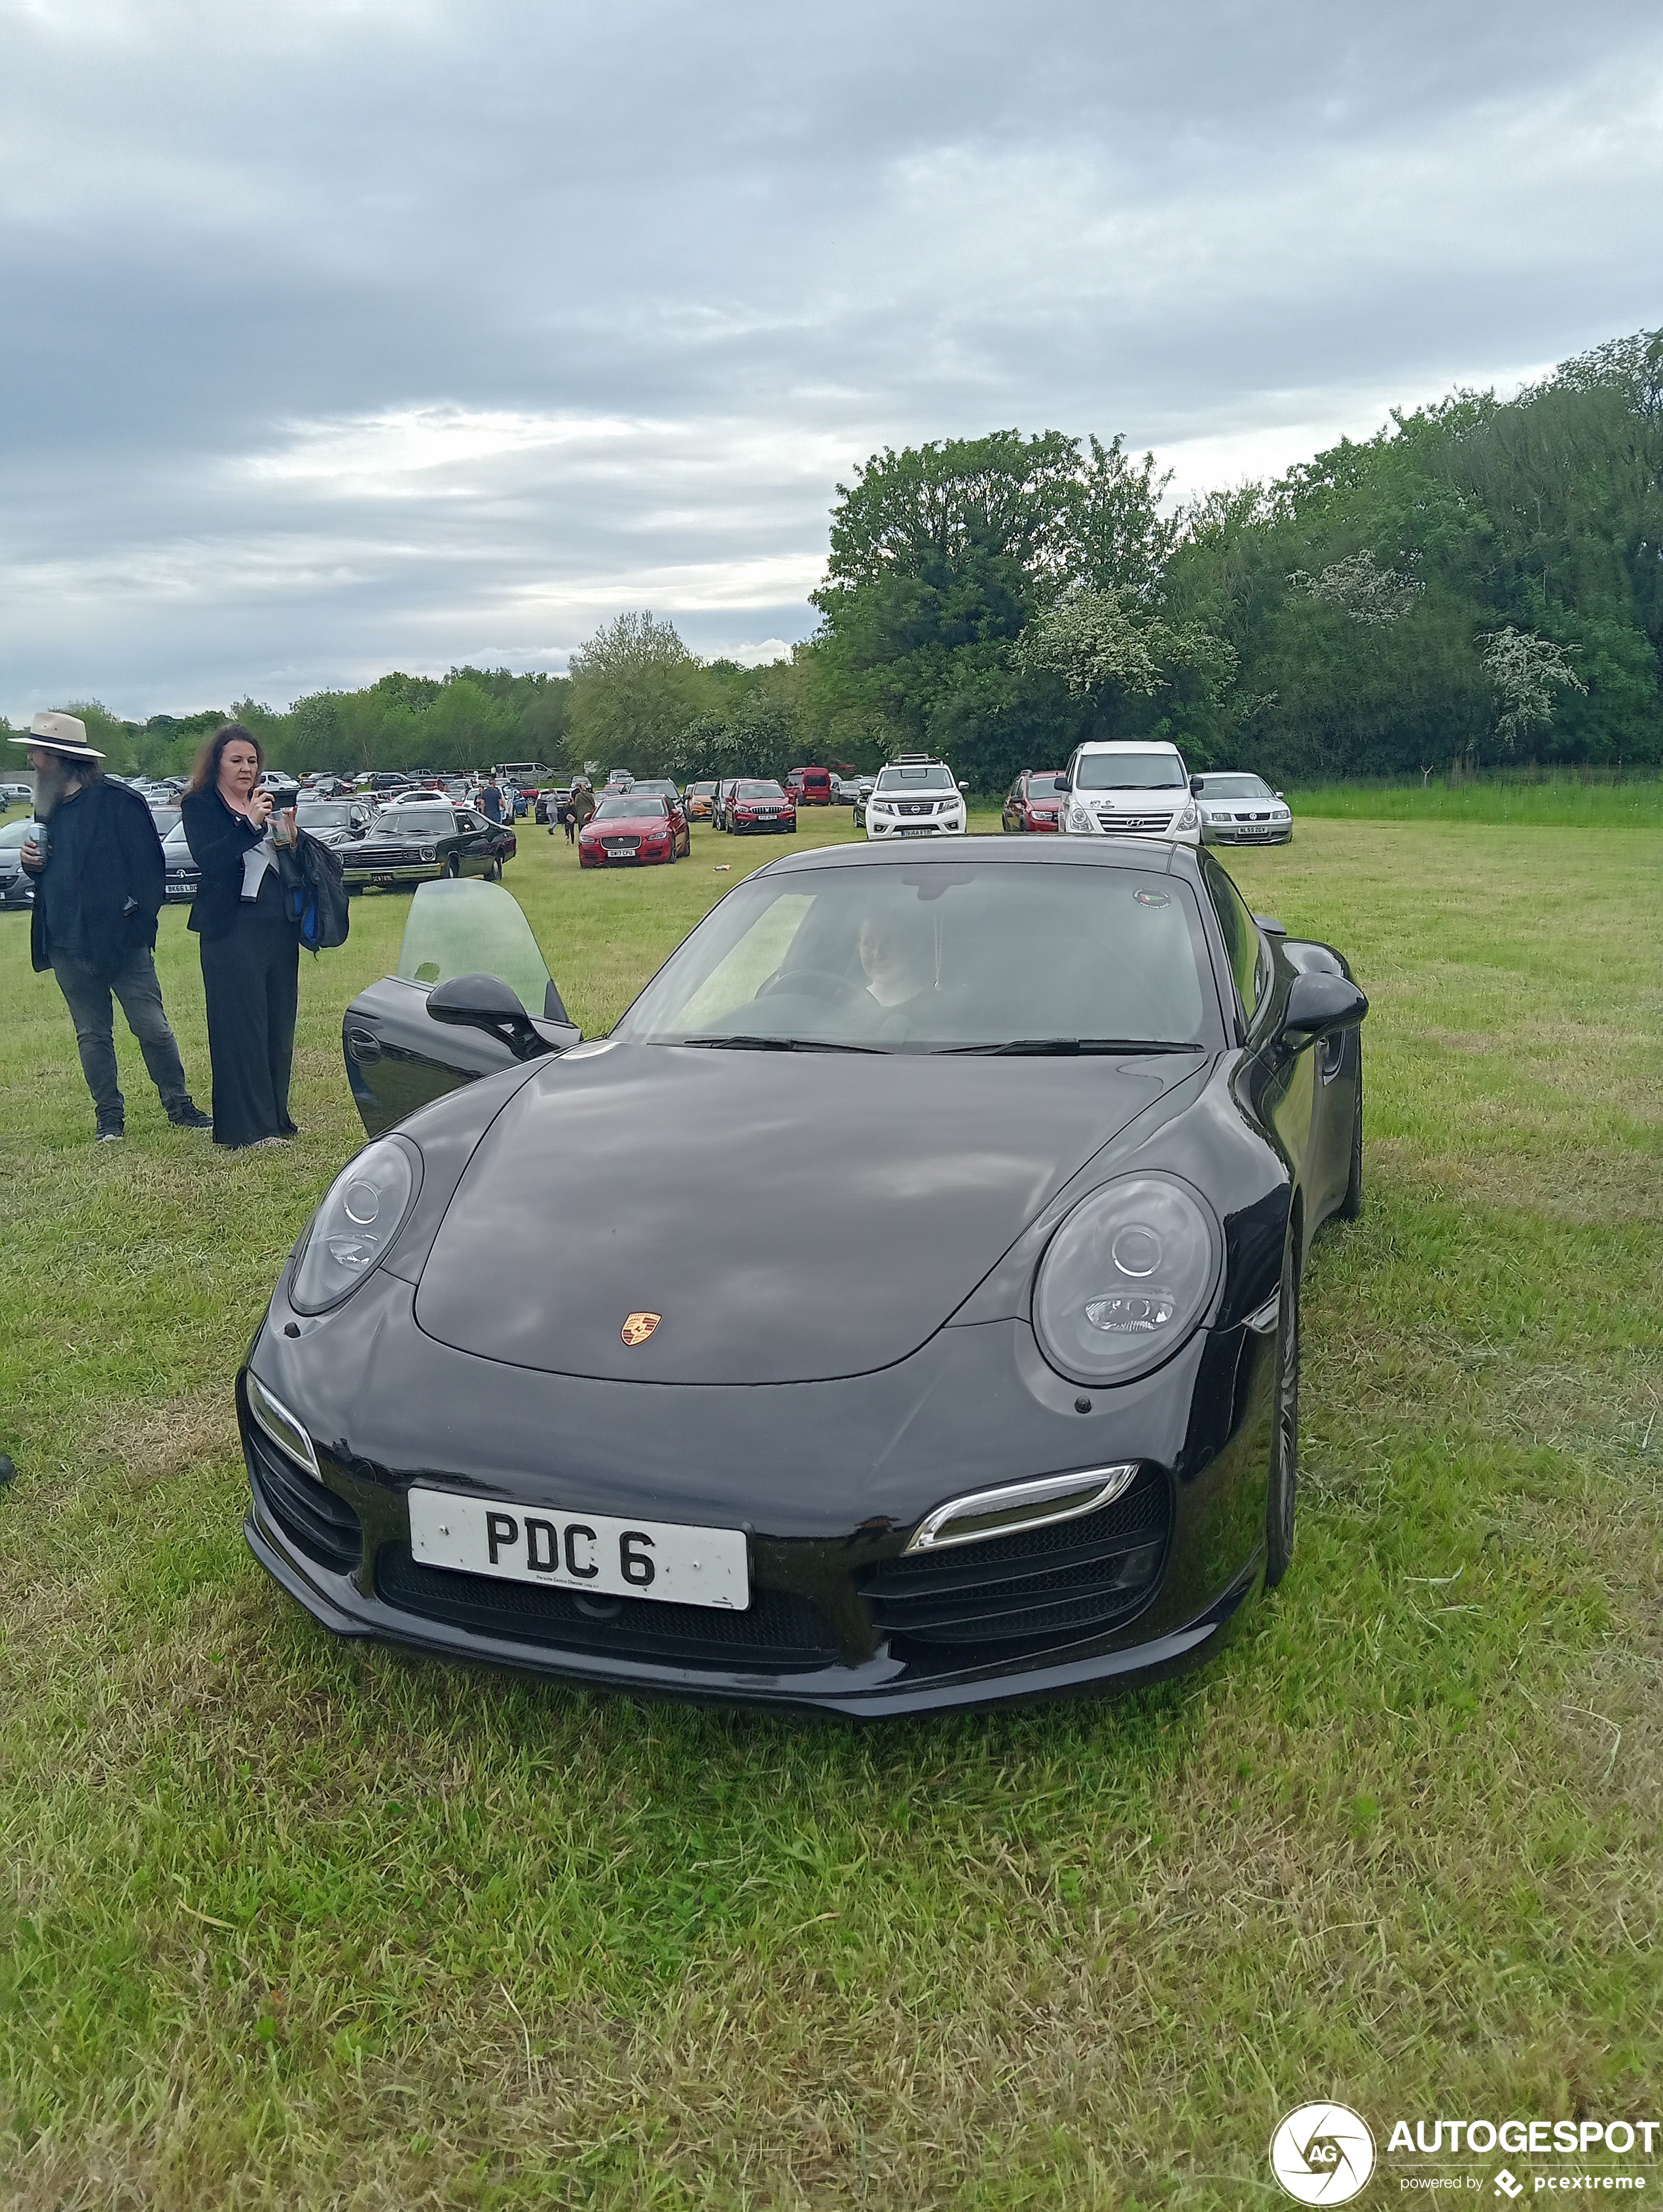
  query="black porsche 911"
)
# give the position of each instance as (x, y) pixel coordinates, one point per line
(1007, 1409)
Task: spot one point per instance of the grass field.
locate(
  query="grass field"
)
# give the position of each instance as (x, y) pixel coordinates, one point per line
(285, 1922)
(1566, 801)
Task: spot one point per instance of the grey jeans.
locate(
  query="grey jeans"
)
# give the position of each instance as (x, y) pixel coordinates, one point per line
(87, 996)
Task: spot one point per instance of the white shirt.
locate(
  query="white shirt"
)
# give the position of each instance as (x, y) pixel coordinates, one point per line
(255, 862)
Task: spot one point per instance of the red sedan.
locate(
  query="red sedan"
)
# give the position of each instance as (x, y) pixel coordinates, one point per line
(756, 805)
(1035, 800)
(633, 828)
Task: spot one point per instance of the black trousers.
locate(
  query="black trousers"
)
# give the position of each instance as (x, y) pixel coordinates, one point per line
(250, 979)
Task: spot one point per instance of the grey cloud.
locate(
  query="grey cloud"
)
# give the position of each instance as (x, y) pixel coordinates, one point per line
(737, 249)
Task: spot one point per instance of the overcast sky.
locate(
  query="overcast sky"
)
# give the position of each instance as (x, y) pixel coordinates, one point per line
(396, 333)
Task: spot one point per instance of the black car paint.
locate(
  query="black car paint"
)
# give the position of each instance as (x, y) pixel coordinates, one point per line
(399, 1058)
(388, 857)
(827, 1475)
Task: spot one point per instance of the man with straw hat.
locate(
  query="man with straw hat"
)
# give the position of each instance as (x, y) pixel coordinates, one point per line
(99, 874)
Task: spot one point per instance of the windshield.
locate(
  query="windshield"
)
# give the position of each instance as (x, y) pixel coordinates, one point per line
(1046, 786)
(466, 927)
(176, 847)
(324, 814)
(661, 785)
(165, 819)
(1233, 786)
(932, 776)
(1149, 771)
(418, 821)
(758, 791)
(931, 958)
(628, 810)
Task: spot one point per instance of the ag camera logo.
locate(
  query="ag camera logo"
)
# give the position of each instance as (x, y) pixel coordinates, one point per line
(1322, 2154)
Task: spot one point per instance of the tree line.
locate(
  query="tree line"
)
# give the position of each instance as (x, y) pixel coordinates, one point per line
(1480, 584)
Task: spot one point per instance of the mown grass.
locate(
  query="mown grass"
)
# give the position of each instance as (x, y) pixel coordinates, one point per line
(1567, 799)
(288, 1923)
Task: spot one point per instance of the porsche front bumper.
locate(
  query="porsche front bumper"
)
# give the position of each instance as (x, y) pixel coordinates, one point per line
(840, 1620)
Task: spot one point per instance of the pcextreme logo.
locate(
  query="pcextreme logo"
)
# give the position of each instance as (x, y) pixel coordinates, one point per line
(1322, 2154)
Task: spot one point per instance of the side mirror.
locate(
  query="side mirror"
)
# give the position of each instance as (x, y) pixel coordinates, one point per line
(1271, 926)
(485, 1002)
(1277, 794)
(1319, 1003)
(1195, 787)
(964, 787)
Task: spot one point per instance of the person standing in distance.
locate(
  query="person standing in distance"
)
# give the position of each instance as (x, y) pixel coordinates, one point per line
(99, 886)
(491, 799)
(251, 951)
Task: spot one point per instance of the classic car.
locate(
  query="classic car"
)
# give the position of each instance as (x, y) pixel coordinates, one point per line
(1008, 1410)
(420, 839)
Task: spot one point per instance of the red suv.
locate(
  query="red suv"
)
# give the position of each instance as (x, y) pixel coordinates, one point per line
(1035, 800)
(758, 805)
(810, 786)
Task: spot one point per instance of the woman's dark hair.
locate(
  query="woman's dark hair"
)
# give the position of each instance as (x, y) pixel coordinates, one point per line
(205, 776)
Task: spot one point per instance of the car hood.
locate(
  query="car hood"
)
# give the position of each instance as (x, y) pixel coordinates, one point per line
(683, 1183)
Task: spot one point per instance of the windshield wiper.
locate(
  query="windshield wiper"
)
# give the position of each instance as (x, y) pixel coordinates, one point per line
(746, 1043)
(1112, 1046)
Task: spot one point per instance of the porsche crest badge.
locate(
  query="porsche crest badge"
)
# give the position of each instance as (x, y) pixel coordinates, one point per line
(639, 1327)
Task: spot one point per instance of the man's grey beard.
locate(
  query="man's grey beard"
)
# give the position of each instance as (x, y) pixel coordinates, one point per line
(51, 785)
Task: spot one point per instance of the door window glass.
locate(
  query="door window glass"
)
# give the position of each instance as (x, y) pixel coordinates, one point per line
(1242, 941)
(466, 927)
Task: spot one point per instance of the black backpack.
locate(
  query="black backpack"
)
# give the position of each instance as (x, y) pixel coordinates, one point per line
(314, 893)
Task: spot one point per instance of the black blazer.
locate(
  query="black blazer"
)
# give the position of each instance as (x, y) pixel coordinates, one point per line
(121, 894)
(218, 836)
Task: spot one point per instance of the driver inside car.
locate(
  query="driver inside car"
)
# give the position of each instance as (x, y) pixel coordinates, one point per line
(897, 952)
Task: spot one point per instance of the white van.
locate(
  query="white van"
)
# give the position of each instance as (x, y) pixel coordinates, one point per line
(1140, 788)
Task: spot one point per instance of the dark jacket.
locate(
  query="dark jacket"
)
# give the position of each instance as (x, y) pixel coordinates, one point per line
(121, 890)
(218, 836)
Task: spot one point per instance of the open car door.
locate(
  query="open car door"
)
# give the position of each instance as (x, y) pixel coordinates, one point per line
(398, 1055)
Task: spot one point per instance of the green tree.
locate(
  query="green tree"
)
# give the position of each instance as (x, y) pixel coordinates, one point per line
(635, 689)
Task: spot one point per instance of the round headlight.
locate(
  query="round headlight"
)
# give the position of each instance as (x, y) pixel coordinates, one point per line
(363, 1211)
(1125, 1279)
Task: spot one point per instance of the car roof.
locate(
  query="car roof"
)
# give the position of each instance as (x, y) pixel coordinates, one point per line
(1127, 745)
(1153, 854)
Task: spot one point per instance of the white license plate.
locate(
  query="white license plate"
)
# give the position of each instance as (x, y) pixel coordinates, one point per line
(581, 1551)
(918, 833)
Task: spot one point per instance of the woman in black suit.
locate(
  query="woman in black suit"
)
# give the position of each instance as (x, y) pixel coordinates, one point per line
(250, 949)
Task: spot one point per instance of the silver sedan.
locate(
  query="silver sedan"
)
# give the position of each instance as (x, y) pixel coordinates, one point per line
(1240, 809)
